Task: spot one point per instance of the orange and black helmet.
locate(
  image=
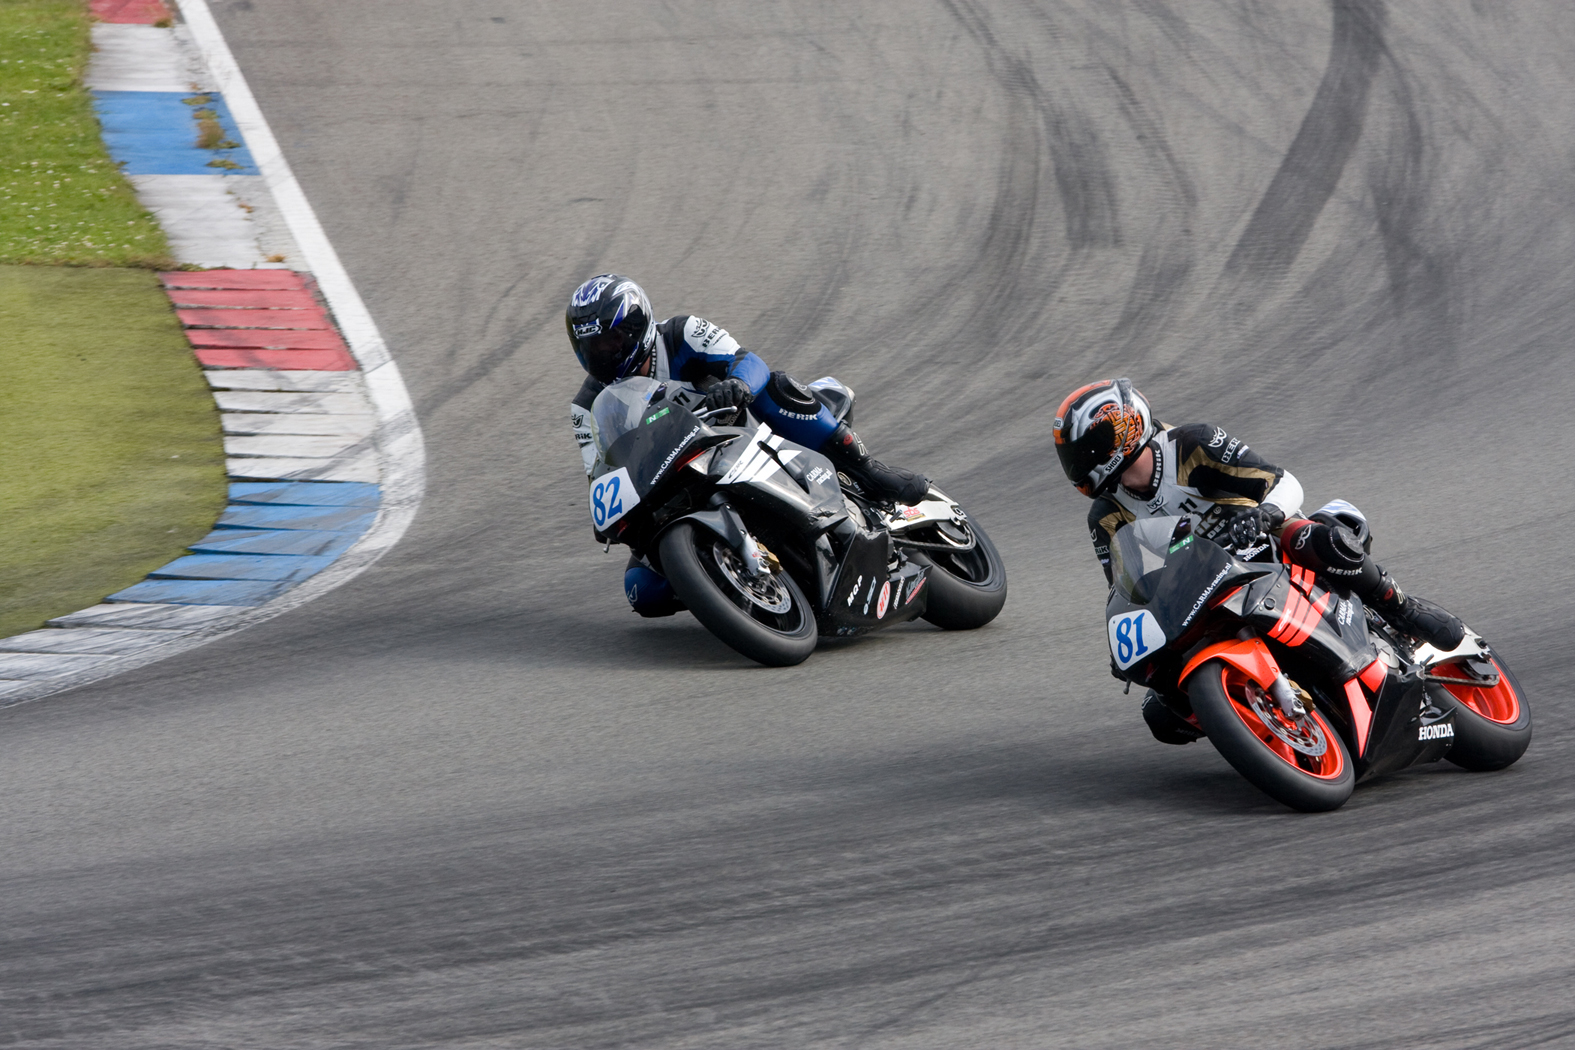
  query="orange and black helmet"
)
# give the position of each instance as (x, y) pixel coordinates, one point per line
(1099, 430)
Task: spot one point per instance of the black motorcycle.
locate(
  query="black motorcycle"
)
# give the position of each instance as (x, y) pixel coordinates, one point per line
(764, 541)
(1304, 691)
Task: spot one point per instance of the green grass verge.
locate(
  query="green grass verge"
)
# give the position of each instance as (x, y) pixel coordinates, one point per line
(62, 200)
(111, 459)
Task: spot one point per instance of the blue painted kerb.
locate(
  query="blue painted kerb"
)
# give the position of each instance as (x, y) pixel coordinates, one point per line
(272, 536)
(155, 133)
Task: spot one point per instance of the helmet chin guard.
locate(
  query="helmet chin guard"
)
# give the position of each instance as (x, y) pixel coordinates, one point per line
(1100, 429)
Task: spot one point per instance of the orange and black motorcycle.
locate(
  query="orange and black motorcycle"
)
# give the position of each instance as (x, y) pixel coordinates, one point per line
(1303, 691)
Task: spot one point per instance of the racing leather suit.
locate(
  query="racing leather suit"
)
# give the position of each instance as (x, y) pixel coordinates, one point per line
(1202, 473)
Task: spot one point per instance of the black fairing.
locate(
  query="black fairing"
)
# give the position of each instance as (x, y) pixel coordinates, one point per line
(652, 450)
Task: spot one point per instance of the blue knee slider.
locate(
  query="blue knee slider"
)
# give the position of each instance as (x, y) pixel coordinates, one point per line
(648, 591)
(789, 409)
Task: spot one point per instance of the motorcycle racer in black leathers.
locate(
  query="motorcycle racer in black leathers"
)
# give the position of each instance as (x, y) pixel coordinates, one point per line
(615, 335)
(1132, 467)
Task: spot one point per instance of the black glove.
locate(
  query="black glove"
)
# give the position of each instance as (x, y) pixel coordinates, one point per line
(1252, 522)
(727, 393)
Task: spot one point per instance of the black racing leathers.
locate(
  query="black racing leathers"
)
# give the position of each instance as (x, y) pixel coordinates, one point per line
(1202, 473)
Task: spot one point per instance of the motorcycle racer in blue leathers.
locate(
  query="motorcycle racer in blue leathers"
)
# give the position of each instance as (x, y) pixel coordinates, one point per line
(615, 335)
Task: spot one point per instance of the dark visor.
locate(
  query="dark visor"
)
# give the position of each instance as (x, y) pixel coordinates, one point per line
(602, 354)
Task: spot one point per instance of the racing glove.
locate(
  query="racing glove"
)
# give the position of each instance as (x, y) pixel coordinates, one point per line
(727, 393)
(1251, 522)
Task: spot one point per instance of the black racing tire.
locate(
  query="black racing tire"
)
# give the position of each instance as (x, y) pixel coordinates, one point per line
(1492, 726)
(773, 639)
(1261, 753)
(967, 588)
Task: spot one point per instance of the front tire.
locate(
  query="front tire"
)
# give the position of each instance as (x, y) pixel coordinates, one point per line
(771, 622)
(967, 588)
(1301, 763)
(1492, 724)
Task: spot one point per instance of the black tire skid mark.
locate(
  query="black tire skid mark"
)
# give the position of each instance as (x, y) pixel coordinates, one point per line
(1312, 167)
(1166, 261)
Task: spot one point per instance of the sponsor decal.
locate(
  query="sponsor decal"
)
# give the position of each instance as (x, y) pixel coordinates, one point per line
(1441, 731)
(909, 513)
(673, 454)
(587, 293)
(1232, 450)
(1058, 422)
(885, 597)
(1252, 552)
(853, 592)
(818, 475)
(1156, 504)
(587, 328)
(757, 464)
(1218, 439)
(1204, 596)
(1344, 613)
(914, 588)
(654, 416)
(1183, 542)
(868, 598)
(1301, 537)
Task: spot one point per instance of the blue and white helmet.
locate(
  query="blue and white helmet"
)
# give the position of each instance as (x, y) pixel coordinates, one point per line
(611, 327)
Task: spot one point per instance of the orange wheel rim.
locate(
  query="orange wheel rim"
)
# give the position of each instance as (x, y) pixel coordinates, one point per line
(1497, 703)
(1291, 742)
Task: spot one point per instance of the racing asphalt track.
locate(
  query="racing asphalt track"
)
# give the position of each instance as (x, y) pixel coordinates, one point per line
(470, 800)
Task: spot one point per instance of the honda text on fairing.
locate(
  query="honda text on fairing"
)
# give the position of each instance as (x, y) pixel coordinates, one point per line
(1303, 691)
(764, 541)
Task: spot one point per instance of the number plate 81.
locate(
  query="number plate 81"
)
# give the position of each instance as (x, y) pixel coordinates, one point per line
(1133, 637)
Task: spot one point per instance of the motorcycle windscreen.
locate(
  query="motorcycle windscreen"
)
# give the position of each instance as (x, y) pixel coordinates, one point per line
(1138, 554)
(1157, 563)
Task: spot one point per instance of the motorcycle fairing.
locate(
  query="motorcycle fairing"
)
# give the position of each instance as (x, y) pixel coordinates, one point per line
(1393, 736)
(865, 595)
(669, 437)
(761, 468)
(1289, 607)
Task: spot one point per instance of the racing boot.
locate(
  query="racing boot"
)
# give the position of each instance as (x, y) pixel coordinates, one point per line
(878, 481)
(1167, 726)
(1414, 616)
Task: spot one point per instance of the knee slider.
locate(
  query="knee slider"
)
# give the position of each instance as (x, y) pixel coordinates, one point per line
(792, 410)
(648, 591)
(1334, 551)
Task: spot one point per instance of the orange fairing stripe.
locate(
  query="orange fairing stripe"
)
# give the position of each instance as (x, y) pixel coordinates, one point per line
(1361, 714)
(1252, 658)
(1300, 617)
(1373, 676)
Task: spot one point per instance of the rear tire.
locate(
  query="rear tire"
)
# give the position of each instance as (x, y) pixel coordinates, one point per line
(967, 588)
(777, 639)
(1264, 747)
(1492, 726)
